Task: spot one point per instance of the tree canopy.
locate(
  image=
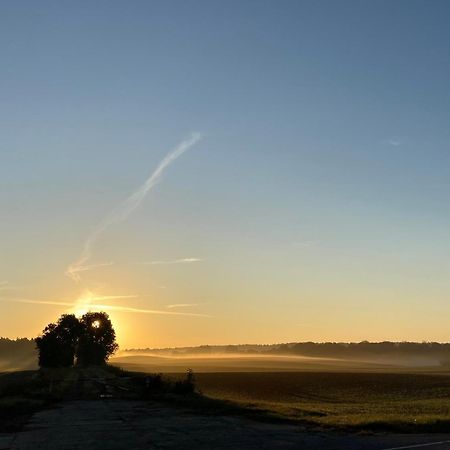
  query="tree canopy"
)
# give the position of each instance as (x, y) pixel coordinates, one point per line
(90, 339)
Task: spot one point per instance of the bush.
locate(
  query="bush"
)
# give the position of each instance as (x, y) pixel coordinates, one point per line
(186, 386)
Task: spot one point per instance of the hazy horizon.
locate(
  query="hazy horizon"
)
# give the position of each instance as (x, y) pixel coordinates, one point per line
(226, 172)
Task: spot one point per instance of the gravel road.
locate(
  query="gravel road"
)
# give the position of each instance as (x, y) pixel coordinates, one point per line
(126, 424)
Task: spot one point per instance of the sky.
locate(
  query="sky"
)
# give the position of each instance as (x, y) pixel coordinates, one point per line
(307, 198)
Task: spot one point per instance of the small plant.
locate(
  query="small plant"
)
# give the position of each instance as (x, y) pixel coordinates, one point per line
(186, 386)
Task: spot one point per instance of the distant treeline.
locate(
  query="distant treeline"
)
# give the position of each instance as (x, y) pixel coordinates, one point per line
(353, 350)
(21, 353)
(17, 353)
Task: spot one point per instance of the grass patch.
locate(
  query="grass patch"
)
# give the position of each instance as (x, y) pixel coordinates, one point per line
(15, 411)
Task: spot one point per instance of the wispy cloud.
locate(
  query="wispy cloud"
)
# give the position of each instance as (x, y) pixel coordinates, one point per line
(148, 311)
(175, 261)
(183, 305)
(93, 266)
(36, 302)
(123, 211)
(105, 307)
(394, 142)
(112, 297)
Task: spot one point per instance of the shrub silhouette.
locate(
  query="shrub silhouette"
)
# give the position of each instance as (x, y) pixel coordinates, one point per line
(186, 386)
(91, 339)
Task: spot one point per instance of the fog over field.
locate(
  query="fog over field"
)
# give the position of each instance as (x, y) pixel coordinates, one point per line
(256, 363)
(363, 356)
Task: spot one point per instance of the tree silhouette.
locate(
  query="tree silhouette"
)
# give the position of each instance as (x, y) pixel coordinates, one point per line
(68, 329)
(91, 339)
(97, 341)
(49, 347)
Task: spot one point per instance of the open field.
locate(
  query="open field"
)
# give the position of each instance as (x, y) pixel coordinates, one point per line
(329, 393)
(354, 401)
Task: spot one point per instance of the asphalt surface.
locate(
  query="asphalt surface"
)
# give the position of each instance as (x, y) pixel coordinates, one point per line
(128, 424)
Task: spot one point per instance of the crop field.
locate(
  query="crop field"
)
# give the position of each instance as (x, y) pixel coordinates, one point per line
(329, 393)
(353, 401)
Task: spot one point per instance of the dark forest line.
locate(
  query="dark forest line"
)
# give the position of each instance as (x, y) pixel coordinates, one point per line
(352, 350)
(17, 353)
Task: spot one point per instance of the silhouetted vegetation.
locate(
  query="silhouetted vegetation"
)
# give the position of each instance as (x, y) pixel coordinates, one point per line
(17, 353)
(186, 386)
(156, 384)
(97, 341)
(90, 339)
(58, 343)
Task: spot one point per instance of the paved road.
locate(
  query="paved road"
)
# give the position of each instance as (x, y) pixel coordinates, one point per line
(125, 424)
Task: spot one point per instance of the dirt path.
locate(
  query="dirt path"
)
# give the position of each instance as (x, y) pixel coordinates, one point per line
(125, 424)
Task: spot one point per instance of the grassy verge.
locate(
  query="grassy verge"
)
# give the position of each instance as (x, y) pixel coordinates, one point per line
(18, 400)
(15, 411)
(24, 393)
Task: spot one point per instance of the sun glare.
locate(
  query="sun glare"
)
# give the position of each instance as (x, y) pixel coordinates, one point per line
(88, 301)
(82, 305)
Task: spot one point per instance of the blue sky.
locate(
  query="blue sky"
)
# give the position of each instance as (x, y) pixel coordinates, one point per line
(317, 199)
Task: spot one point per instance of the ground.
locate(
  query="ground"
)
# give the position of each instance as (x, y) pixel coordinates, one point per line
(106, 408)
(129, 424)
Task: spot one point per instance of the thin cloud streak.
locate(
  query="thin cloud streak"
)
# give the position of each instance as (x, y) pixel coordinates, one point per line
(182, 305)
(175, 261)
(149, 311)
(104, 307)
(123, 211)
(36, 302)
(112, 297)
(93, 266)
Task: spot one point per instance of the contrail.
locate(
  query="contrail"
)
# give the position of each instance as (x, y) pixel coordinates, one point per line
(104, 307)
(183, 305)
(94, 266)
(122, 212)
